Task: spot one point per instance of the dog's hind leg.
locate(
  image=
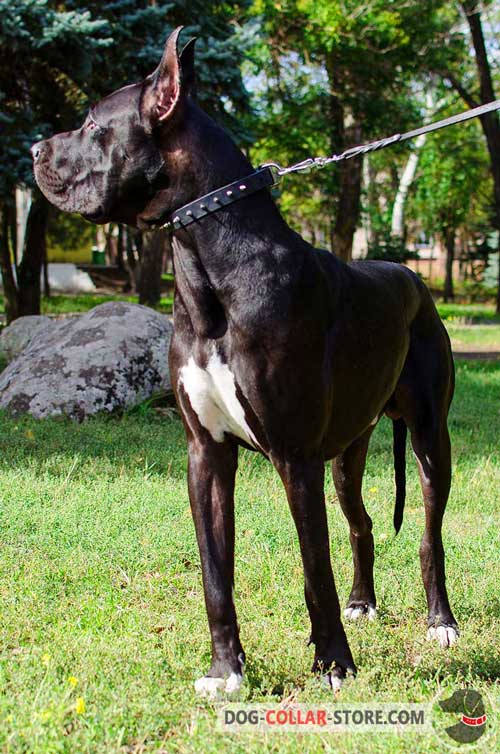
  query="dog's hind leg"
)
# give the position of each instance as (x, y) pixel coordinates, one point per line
(431, 444)
(347, 471)
(304, 482)
(423, 397)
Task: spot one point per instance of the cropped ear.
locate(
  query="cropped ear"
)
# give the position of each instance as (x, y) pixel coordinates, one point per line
(165, 91)
(188, 75)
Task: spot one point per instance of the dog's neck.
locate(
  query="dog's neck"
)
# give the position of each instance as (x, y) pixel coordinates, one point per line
(244, 243)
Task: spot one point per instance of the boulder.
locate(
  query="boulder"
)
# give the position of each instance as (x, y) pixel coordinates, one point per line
(112, 357)
(18, 335)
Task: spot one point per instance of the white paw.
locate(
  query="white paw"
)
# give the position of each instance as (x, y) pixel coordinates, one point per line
(353, 613)
(233, 683)
(210, 688)
(333, 682)
(446, 635)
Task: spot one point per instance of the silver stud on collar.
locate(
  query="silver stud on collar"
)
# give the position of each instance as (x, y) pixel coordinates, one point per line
(202, 206)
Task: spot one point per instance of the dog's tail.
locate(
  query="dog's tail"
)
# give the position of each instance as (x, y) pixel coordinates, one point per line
(399, 448)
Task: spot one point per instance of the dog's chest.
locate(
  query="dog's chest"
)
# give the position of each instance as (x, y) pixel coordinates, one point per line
(213, 397)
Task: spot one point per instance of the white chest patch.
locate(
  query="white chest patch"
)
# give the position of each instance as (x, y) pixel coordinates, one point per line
(212, 394)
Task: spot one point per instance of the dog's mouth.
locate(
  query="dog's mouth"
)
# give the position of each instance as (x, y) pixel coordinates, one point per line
(52, 186)
(68, 196)
(49, 181)
(97, 217)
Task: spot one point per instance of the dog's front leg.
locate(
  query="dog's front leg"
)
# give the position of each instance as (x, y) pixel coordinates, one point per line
(211, 474)
(304, 482)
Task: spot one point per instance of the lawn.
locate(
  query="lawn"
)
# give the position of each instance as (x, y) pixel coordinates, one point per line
(103, 627)
(66, 304)
(474, 337)
(471, 327)
(468, 313)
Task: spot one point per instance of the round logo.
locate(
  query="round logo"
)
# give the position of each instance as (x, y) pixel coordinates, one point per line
(460, 717)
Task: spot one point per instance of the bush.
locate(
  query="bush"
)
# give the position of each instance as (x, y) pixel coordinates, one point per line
(390, 249)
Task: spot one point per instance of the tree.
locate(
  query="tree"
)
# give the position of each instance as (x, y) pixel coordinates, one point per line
(475, 88)
(489, 122)
(452, 189)
(149, 282)
(408, 174)
(364, 58)
(45, 55)
(67, 54)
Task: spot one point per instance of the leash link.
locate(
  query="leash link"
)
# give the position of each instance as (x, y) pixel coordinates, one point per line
(275, 168)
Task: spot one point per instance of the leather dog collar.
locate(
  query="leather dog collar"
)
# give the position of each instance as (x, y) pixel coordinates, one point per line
(216, 200)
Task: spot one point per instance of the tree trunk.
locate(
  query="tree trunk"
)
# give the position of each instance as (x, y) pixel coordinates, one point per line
(490, 122)
(12, 222)
(134, 253)
(149, 282)
(348, 205)
(33, 255)
(9, 283)
(498, 287)
(449, 239)
(120, 246)
(398, 211)
(46, 281)
(23, 198)
(345, 132)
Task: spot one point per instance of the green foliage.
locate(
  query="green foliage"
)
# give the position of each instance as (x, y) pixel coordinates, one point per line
(55, 58)
(368, 51)
(46, 53)
(304, 62)
(69, 232)
(390, 249)
(138, 34)
(314, 57)
(454, 185)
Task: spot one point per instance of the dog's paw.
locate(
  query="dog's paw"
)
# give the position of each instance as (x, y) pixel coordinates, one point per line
(447, 636)
(212, 688)
(354, 612)
(333, 680)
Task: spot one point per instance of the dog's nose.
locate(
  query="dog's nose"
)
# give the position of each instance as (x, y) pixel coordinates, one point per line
(36, 150)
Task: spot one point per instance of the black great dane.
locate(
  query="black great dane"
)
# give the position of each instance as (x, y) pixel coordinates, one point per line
(278, 347)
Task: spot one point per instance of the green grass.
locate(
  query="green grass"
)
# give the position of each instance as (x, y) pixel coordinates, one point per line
(475, 336)
(467, 313)
(471, 326)
(65, 304)
(102, 623)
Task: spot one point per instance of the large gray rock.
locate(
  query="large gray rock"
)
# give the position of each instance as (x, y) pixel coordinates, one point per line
(17, 336)
(114, 356)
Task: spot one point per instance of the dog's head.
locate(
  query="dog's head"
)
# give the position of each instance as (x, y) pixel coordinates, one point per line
(123, 164)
